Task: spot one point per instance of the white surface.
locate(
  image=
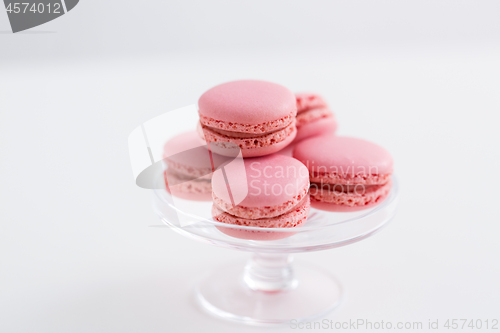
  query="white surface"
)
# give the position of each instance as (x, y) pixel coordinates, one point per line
(76, 250)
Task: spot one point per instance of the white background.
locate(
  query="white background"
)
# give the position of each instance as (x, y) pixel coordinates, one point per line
(422, 78)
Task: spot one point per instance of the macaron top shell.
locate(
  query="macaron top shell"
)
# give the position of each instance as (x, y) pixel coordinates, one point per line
(249, 102)
(308, 101)
(343, 156)
(186, 149)
(266, 181)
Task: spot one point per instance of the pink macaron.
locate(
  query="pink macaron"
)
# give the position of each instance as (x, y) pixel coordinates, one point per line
(257, 117)
(346, 174)
(269, 192)
(314, 116)
(189, 167)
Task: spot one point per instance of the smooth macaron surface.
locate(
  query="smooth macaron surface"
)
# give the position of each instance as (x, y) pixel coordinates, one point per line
(247, 102)
(316, 127)
(346, 160)
(266, 186)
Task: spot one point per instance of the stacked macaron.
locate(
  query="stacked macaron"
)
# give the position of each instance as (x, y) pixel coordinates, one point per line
(276, 181)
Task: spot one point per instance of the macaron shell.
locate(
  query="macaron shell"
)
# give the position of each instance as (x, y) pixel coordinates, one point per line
(293, 219)
(261, 211)
(266, 181)
(349, 179)
(248, 102)
(308, 101)
(316, 127)
(194, 190)
(267, 150)
(189, 171)
(343, 156)
(250, 142)
(312, 115)
(187, 154)
(191, 194)
(250, 147)
(334, 201)
(288, 150)
(260, 128)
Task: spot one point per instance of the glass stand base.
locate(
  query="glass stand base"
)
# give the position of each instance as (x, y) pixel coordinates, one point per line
(226, 293)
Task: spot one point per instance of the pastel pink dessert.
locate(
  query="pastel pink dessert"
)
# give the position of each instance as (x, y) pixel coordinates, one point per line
(270, 192)
(314, 116)
(346, 174)
(257, 117)
(189, 167)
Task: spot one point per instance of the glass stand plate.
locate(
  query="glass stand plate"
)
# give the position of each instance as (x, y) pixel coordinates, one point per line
(269, 290)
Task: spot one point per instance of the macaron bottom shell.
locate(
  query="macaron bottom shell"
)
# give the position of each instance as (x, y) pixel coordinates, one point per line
(296, 217)
(338, 201)
(193, 189)
(321, 126)
(250, 146)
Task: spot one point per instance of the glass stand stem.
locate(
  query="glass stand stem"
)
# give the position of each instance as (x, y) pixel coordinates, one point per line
(270, 272)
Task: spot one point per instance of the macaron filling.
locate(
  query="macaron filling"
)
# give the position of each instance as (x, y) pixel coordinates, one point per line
(188, 171)
(254, 141)
(317, 176)
(349, 195)
(186, 184)
(292, 218)
(312, 115)
(259, 212)
(261, 128)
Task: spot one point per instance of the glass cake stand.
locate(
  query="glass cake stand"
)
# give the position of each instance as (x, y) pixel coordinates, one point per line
(268, 289)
